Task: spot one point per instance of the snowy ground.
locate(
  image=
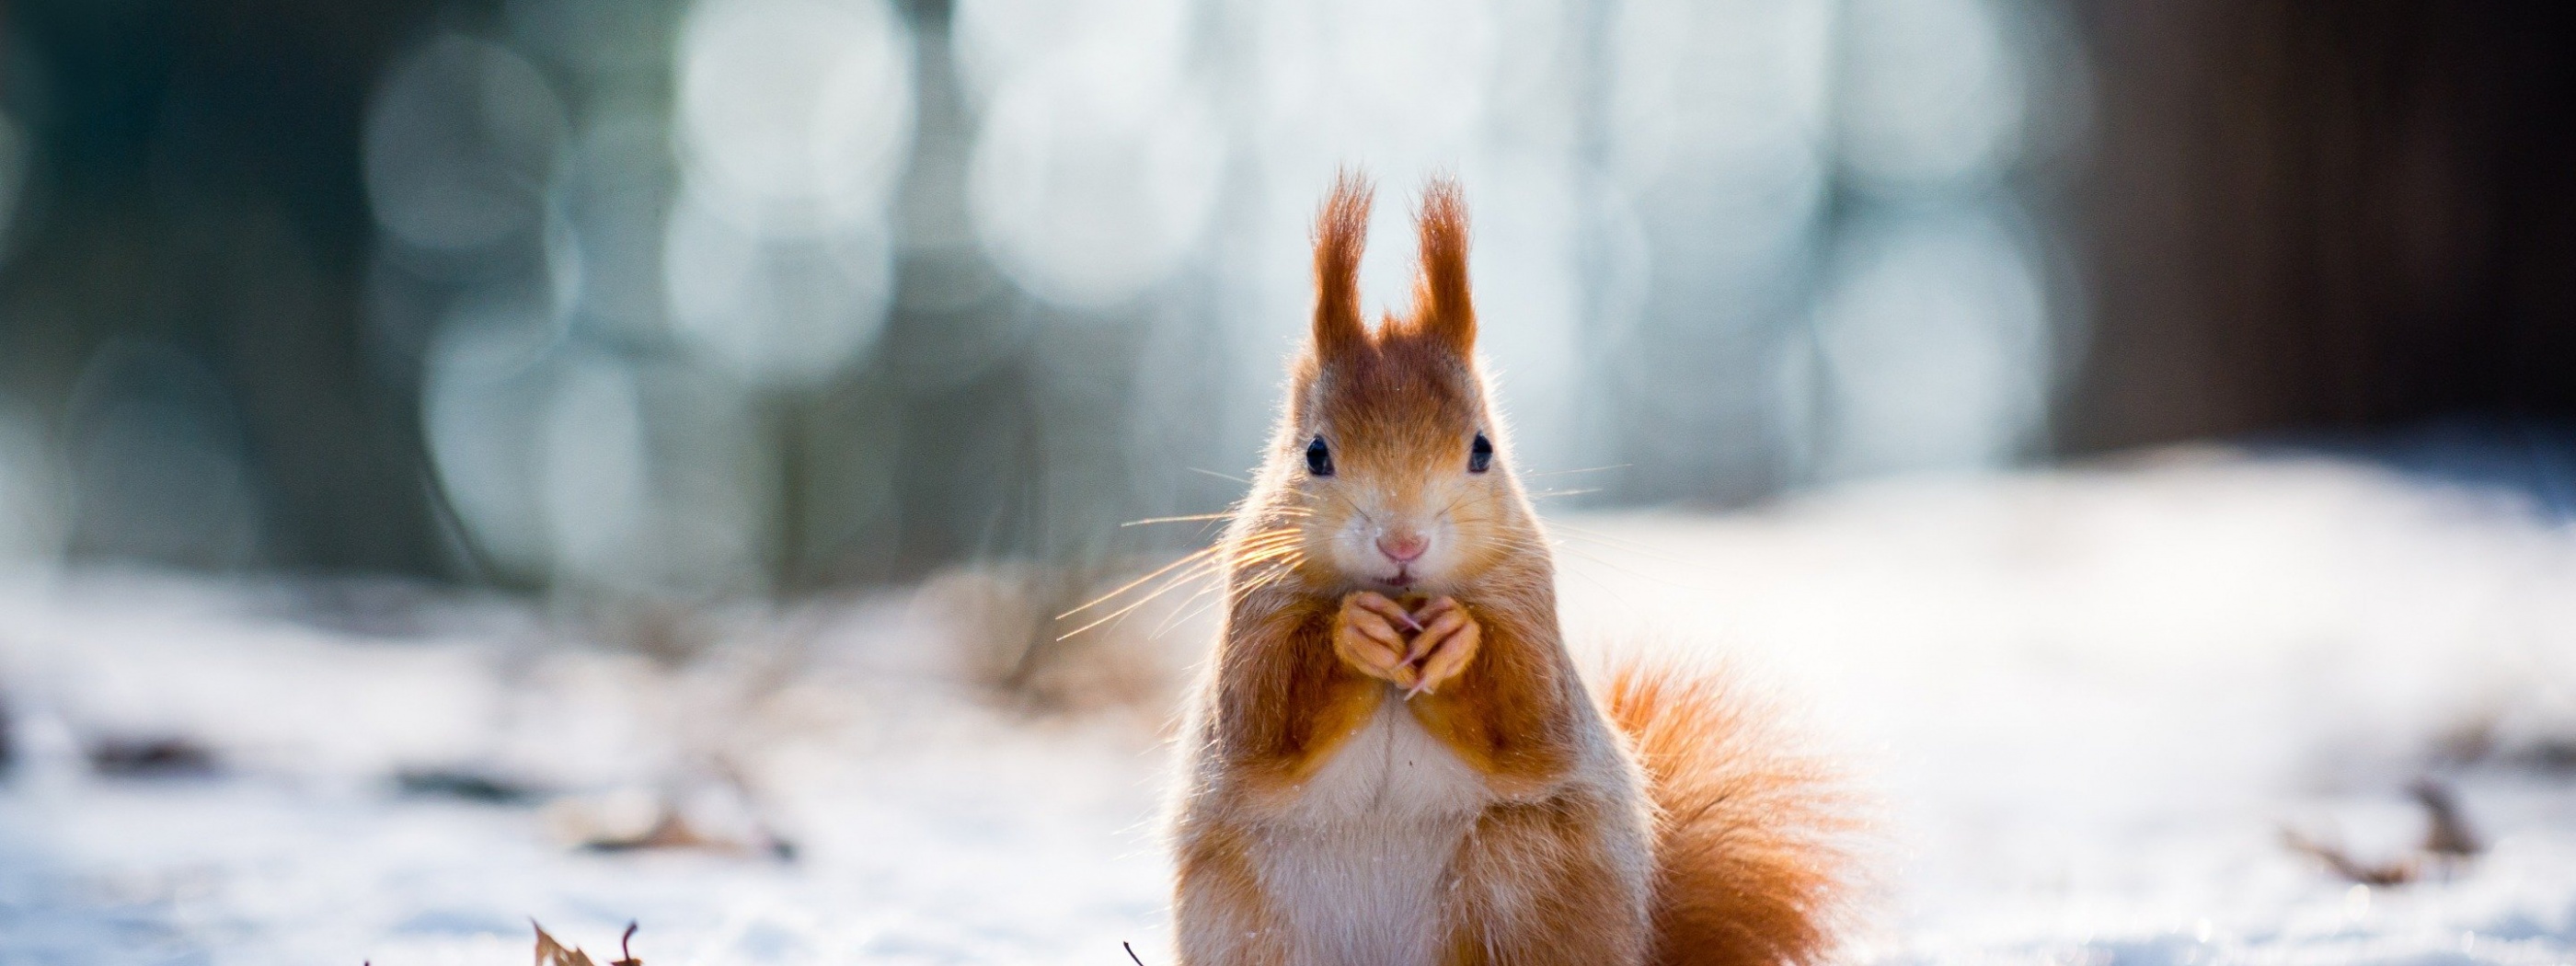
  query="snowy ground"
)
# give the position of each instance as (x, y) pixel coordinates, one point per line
(2091, 702)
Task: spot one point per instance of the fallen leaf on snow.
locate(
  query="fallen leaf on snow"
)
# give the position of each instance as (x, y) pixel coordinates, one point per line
(553, 953)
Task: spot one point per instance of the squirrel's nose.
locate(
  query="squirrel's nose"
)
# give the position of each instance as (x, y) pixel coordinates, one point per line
(1402, 546)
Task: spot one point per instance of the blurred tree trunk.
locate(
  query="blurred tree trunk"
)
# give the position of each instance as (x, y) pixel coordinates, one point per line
(2325, 215)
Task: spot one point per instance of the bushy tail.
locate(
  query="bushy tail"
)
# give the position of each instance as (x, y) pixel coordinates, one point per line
(1753, 853)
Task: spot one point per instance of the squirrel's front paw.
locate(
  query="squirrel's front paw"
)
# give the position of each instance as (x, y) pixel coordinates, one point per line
(1448, 641)
(1365, 636)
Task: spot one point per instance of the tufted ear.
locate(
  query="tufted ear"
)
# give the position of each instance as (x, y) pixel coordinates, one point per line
(1341, 232)
(1441, 305)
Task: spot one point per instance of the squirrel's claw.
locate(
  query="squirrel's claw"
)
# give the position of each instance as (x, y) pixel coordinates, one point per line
(1448, 641)
(1372, 602)
(1364, 636)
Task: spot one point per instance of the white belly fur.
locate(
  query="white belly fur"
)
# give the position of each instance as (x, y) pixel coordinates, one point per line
(1355, 865)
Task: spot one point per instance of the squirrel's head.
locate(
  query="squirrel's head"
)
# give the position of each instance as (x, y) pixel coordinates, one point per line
(1390, 461)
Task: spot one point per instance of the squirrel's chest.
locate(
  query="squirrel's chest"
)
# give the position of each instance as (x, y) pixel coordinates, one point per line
(1390, 770)
(1357, 865)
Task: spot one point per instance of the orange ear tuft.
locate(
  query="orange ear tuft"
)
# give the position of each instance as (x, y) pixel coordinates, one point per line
(1440, 301)
(1341, 232)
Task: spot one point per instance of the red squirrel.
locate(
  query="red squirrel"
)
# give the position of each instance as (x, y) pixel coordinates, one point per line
(1395, 761)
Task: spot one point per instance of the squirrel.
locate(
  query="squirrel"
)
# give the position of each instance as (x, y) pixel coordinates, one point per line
(1394, 760)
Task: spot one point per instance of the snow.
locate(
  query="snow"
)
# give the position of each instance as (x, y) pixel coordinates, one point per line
(2088, 703)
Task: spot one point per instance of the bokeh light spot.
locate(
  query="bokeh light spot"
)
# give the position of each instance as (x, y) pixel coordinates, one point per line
(461, 144)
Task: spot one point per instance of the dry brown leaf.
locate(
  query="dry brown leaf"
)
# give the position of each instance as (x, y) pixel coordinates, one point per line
(552, 953)
(670, 832)
(2448, 843)
(2396, 872)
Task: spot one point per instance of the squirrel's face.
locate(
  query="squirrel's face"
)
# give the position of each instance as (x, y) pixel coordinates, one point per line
(1399, 482)
(1390, 463)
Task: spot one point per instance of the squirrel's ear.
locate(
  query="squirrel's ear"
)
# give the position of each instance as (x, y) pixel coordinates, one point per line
(1440, 301)
(1341, 232)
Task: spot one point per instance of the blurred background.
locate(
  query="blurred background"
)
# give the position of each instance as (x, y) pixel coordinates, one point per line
(678, 300)
(761, 296)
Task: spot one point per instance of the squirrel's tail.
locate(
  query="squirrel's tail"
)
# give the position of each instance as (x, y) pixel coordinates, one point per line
(1754, 865)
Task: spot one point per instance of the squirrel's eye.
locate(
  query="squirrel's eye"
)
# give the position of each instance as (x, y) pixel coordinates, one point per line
(1319, 458)
(1480, 454)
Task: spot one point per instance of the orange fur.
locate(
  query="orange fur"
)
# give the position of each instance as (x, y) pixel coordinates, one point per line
(1341, 234)
(1750, 868)
(1440, 296)
(1219, 888)
(1361, 795)
(1535, 866)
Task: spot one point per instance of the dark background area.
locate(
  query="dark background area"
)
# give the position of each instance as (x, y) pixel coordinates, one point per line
(195, 187)
(2326, 216)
